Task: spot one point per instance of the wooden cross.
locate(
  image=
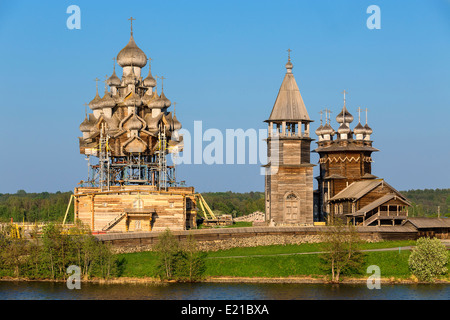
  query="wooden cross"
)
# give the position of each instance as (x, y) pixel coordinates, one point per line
(131, 19)
(359, 114)
(289, 53)
(106, 79)
(162, 82)
(149, 62)
(114, 63)
(327, 112)
(85, 108)
(344, 92)
(174, 108)
(366, 114)
(96, 83)
(321, 112)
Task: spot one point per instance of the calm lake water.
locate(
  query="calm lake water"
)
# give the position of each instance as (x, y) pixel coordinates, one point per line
(219, 291)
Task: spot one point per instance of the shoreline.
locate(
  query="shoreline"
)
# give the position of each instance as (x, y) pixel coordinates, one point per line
(256, 280)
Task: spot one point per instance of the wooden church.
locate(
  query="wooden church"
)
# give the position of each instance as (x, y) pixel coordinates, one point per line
(346, 186)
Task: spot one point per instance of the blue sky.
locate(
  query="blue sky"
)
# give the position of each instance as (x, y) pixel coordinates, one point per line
(224, 63)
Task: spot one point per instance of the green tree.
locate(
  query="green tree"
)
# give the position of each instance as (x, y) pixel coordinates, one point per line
(428, 259)
(190, 264)
(341, 250)
(167, 249)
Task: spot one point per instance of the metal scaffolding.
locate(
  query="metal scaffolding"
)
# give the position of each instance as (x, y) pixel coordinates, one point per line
(133, 169)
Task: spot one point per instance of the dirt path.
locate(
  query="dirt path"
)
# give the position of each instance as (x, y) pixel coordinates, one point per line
(447, 244)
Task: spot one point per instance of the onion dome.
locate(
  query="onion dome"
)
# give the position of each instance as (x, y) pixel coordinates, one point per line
(344, 116)
(319, 130)
(94, 104)
(149, 81)
(131, 55)
(167, 102)
(368, 129)
(85, 126)
(152, 123)
(114, 80)
(133, 100)
(359, 129)
(344, 129)
(134, 123)
(107, 101)
(156, 101)
(176, 123)
(147, 97)
(289, 66)
(327, 129)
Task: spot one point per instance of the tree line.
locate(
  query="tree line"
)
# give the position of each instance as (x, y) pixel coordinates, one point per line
(34, 207)
(49, 253)
(46, 207)
(429, 202)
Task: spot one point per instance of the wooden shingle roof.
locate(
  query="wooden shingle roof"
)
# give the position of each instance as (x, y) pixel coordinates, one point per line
(378, 202)
(289, 105)
(358, 189)
(423, 222)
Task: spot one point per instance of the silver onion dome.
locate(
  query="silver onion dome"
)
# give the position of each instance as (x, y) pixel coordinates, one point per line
(359, 129)
(368, 129)
(327, 129)
(85, 126)
(114, 80)
(107, 101)
(149, 81)
(319, 130)
(344, 116)
(131, 55)
(94, 104)
(344, 128)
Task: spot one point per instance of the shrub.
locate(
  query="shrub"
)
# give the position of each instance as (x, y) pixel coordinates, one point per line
(428, 259)
(181, 262)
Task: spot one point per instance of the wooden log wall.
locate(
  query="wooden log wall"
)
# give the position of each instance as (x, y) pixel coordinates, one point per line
(136, 208)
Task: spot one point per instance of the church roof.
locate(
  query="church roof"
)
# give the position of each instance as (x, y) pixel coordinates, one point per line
(424, 222)
(358, 189)
(378, 202)
(289, 105)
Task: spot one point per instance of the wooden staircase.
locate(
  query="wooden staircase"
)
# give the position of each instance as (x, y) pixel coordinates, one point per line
(113, 222)
(370, 220)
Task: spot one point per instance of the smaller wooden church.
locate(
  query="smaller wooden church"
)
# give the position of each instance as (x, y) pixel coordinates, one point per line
(370, 202)
(346, 186)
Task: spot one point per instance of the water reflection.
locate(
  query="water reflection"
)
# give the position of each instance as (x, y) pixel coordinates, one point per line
(219, 291)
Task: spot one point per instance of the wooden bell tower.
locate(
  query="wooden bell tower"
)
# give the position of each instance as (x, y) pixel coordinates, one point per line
(289, 173)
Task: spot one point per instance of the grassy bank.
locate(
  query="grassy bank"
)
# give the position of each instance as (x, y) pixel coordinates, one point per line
(276, 261)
